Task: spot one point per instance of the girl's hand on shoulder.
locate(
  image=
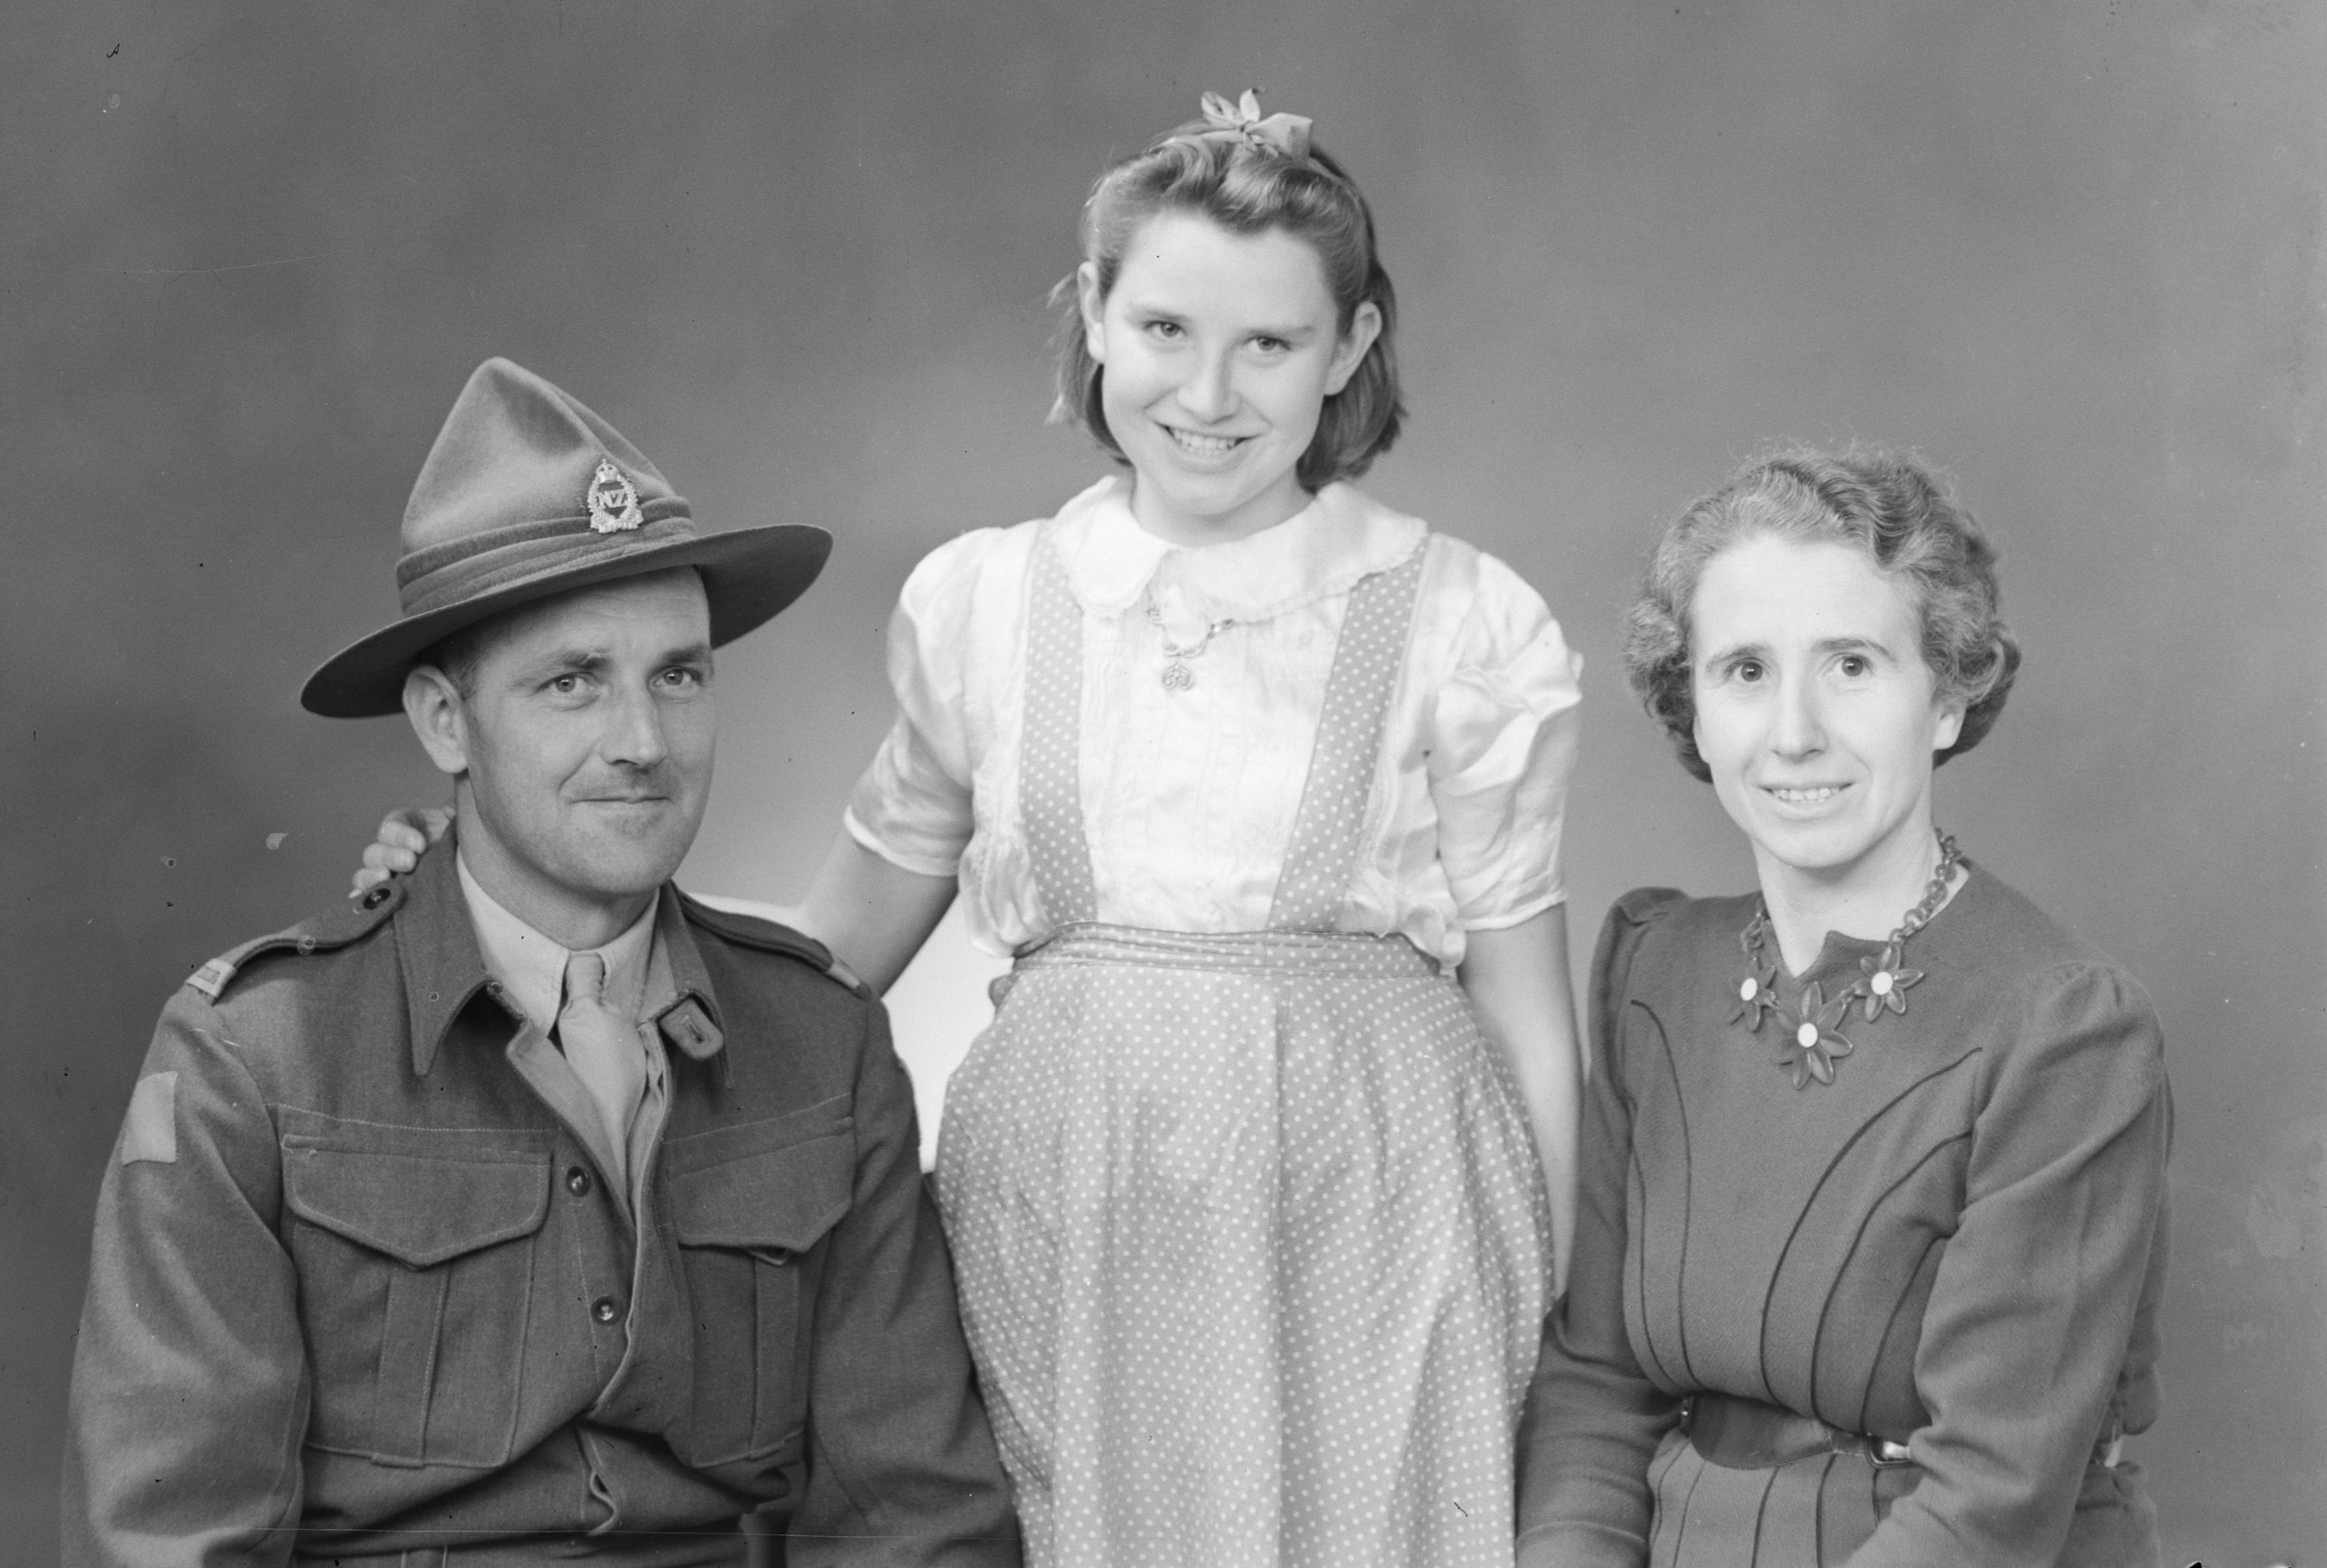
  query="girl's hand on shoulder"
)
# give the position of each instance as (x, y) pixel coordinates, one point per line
(404, 837)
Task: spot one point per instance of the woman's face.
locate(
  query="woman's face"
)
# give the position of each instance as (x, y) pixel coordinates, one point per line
(1219, 351)
(1815, 710)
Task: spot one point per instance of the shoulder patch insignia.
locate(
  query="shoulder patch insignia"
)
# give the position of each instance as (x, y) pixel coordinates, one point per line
(150, 1132)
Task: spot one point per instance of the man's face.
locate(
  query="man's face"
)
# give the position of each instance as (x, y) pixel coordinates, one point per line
(586, 739)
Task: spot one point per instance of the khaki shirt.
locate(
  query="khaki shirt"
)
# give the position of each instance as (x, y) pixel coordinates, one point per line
(357, 1289)
(531, 970)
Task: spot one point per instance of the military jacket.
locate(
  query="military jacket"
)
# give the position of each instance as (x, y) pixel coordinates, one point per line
(358, 1291)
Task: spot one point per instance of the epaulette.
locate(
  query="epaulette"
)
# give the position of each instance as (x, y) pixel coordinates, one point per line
(332, 929)
(769, 937)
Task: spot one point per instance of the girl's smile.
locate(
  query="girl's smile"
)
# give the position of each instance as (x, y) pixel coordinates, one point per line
(1199, 446)
(1219, 350)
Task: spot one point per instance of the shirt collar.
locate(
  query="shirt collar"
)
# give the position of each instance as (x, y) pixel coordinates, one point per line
(531, 968)
(443, 967)
(1341, 536)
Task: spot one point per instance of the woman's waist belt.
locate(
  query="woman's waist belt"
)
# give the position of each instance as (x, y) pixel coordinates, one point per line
(1352, 955)
(1738, 1434)
(1748, 1435)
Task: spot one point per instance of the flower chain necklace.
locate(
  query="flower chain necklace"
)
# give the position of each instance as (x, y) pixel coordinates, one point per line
(1177, 675)
(1809, 1040)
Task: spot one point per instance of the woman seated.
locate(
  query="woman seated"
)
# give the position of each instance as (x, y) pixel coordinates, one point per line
(1871, 1225)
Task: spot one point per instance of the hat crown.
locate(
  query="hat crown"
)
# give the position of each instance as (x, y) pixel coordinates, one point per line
(527, 493)
(516, 451)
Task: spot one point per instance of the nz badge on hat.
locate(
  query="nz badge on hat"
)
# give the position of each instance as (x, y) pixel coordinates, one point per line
(614, 500)
(527, 493)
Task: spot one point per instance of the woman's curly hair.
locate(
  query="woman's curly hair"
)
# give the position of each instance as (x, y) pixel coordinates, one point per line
(1885, 504)
(1247, 188)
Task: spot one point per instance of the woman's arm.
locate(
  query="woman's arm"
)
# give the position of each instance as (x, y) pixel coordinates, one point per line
(1517, 978)
(1593, 1418)
(2027, 1336)
(874, 916)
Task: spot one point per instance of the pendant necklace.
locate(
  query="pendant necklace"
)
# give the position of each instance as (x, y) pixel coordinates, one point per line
(1177, 675)
(1809, 1038)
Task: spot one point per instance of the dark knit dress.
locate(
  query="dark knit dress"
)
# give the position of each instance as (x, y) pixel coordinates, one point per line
(1957, 1243)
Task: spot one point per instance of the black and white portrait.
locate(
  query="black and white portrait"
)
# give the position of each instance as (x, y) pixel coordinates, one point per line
(1369, 715)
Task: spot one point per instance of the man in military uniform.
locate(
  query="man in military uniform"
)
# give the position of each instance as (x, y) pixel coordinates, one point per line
(530, 1210)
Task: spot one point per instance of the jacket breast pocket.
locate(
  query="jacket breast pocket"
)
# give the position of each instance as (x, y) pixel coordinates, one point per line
(415, 1247)
(751, 1207)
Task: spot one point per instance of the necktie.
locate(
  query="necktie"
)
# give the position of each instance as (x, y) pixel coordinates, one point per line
(603, 1049)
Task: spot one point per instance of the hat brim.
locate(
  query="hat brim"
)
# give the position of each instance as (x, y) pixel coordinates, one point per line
(749, 575)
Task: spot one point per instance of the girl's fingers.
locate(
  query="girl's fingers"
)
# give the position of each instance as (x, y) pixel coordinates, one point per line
(405, 835)
(388, 859)
(414, 827)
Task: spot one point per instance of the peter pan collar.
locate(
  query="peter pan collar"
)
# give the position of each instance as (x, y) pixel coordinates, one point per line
(1342, 536)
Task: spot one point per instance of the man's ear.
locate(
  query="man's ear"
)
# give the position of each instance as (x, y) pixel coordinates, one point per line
(432, 703)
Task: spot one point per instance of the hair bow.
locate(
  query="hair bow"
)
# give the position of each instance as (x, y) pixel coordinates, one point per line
(1241, 121)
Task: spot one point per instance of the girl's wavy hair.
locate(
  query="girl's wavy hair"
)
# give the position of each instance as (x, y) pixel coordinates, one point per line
(1881, 502)
(1247, 187)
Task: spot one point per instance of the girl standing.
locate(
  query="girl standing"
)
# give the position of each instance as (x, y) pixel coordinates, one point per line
(1262, 783)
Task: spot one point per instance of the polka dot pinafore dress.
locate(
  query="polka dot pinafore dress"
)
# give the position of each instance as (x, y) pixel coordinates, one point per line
(1251, 1240)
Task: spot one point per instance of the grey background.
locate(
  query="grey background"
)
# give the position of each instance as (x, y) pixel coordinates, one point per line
(799, 253)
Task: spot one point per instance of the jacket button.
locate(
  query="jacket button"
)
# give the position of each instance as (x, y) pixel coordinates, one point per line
(577, 1181)
(603, 1308)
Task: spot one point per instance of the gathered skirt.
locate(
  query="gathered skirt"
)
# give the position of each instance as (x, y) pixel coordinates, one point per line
(1253, 1251)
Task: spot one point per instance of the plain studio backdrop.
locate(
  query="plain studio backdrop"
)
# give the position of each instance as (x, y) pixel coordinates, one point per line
(799, 253)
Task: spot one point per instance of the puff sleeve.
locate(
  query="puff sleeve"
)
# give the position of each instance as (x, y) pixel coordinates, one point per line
(1503, 733)
(913, 806)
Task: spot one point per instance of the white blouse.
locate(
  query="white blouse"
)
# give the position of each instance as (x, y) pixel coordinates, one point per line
(1188, 796)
